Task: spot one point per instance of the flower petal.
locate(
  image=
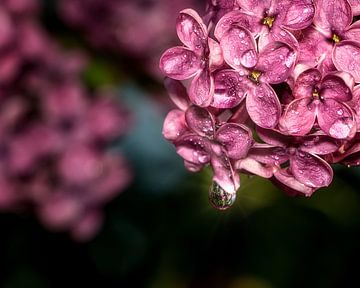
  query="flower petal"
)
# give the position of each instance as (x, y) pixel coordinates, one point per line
(174, 125)
(256, 7)
(239, 48)
(299, 117)
(287, 182)
(194, 149)
(299, 15)
(191, 30)
(224, 174)
(355, 5)
(319, 144)
(237, 18)
(336, 119)
(313, 47)
(201, 90)
(236, 139)
(277, 34)
(311, 170)
(276, 62)
(179, 63)
(263, 105)
(346, 57)
(230, 89)
(268, 154)
(332, 15)
(353, 33)
(254, 167)
(355, 104)
(200, 121)
(177, 93)
(273, 137)
(334, 87)
(306, 83)
(215, 57)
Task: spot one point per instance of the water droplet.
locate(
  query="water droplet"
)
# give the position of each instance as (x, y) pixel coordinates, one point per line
(219, 198)
(340, 112)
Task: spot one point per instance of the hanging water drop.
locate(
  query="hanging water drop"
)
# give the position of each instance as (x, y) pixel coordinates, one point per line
(219, 198)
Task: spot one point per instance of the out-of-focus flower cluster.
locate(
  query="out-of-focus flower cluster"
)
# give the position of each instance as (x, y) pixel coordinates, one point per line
(283, 70)
(54, 134)
(139, 28)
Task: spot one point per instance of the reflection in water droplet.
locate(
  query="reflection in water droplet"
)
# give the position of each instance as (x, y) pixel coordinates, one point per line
(219, 198)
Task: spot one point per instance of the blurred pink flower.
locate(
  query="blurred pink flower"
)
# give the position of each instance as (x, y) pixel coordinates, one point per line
(55, 134)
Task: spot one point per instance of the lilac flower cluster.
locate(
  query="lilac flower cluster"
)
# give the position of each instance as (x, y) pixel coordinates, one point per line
(281, 70)
(54, 134)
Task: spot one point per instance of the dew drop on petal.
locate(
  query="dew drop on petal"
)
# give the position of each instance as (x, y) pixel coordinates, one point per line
(219, 198)
(341, 128)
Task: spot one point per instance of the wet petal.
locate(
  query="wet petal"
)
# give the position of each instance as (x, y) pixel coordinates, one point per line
(200, 121)
(192, 167)
(268, 154)
(177, 93)
(336, 119)
(277, 34)
(311, 170)
(239, 48)
(299, 117)
(273, 137)
(230, 89)
(216, 58)
(332, 15)
(306, 83)
(276, 61)
(287, 182)
(201, 90)
(174, 125)
(263, 105)
(256, 7)
(334, 87)
(236, 139)
(179, 63)
(353, 33)
(346, 57)
(237, 18)
(355, 104)
(299, 15)
(319, 144)
(194, 149)
(254, 167)
(191, 30)
(313, 47)
(224, 174)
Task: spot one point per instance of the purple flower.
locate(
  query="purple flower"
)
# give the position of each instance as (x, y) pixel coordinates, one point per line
(272, 20)
(253, 73)
(333, 24)
(199, 141)
(198, 58)
(322, 99)
(305, 171)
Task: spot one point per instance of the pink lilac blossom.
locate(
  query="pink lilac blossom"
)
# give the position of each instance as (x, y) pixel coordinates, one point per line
(333, 41)
(286, 70)
(55, 134)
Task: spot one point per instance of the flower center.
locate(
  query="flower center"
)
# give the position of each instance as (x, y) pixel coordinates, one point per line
(336, 38)
(254, 76)
(315, 93)
(268, 21)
